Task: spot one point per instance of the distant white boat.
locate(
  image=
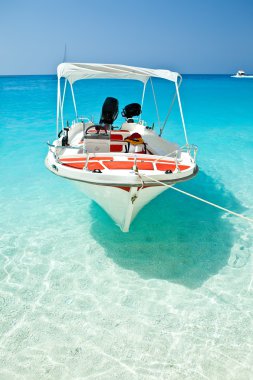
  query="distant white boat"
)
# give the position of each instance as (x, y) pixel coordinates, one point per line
(241, 74)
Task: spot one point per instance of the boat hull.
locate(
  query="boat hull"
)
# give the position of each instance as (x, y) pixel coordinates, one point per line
(122, 194)
(121, 203)
(242, 76)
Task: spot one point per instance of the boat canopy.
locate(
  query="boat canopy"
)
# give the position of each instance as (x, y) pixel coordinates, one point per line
(73, 72)
(76, 71)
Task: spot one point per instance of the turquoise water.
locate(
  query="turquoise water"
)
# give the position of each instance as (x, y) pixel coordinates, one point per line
(172, 299)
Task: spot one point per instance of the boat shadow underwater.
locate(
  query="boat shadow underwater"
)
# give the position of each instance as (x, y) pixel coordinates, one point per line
(174, 238)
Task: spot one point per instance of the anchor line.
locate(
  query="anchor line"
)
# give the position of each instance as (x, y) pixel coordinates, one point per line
(201, 199)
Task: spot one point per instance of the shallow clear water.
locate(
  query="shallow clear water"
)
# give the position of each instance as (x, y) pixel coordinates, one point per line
(172, 299)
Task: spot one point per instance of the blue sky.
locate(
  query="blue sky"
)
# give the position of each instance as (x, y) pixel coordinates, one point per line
(189, 36)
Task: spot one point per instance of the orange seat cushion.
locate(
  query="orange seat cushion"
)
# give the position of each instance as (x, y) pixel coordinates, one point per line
(80, 165)
(172, 167)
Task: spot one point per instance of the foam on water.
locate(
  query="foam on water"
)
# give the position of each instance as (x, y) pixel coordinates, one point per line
(170, 299)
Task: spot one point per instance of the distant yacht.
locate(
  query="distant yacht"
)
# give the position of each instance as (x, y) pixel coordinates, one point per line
(241, 74)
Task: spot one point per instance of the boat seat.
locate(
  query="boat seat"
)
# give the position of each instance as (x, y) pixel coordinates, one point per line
(116, 137)
(110, 111)
(131, 110)
(109, 114)
(102, 162)
(117, 142)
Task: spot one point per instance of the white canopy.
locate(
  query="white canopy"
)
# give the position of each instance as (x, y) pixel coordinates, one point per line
(76, 71)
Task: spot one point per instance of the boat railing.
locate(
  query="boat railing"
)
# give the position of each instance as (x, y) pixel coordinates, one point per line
(62, 147)
(58, 149)
(191, 149)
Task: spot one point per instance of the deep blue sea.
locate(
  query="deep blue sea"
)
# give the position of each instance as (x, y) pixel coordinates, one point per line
(173, 298)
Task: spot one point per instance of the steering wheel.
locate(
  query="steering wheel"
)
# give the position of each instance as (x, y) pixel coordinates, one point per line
(97, 127)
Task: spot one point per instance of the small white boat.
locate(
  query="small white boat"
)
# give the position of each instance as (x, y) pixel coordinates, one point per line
(241, 74)
(124, 167)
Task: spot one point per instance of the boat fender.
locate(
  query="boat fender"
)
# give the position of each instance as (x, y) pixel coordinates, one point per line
(96, 171)
(168, 172)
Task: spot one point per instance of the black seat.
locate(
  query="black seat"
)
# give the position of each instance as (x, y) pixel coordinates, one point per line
(110, 111)
(109, 114)
(131, 110)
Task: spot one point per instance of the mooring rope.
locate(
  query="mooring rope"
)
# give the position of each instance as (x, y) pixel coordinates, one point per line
(200, 199)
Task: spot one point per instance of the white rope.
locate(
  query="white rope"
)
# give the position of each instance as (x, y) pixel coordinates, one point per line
(201, 199)
(156, 106)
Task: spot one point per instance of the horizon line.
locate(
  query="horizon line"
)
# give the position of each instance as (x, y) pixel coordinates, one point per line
(55, 74)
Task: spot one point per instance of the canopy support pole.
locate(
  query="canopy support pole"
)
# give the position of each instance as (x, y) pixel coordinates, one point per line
(168, 114)
(142, 98)
(63, 97)
(157, 112)
(170, 108)
(73, 97)
(61, 109)
(181, 113)
(58, 107)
